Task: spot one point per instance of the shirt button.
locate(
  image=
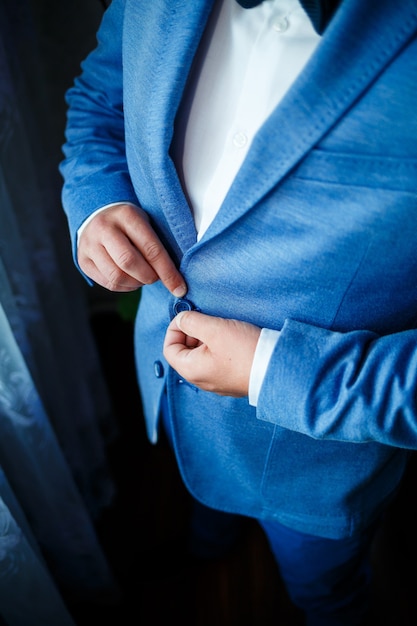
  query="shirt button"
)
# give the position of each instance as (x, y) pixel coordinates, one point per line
(281, 24)
(240, 140)
(158, 369)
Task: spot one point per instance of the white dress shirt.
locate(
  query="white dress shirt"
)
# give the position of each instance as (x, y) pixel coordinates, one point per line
(247, 60)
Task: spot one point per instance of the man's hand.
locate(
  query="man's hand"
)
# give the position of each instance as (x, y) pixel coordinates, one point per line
(120, 251)
(212, 353)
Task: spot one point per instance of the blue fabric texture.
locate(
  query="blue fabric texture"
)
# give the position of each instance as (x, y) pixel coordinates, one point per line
(316, 238)
(329, 580)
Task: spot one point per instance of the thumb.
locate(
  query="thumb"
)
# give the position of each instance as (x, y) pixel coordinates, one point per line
(192, 323)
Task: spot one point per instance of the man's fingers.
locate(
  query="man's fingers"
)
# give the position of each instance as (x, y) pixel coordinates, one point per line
(145, 240)
(103, 270)
(121, 247)
(194, 324)
(177, 340)
(178, 319)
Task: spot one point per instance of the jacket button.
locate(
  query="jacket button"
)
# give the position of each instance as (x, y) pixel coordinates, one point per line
(182, 305)
(158, 369)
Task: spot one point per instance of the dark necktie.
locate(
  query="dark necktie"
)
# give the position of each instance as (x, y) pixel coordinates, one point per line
(320, 12)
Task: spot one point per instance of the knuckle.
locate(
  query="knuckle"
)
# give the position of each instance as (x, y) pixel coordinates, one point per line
(114, 279)
(152, 251)
(126, 259)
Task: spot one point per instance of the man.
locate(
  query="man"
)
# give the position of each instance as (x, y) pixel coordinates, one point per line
(264, 190)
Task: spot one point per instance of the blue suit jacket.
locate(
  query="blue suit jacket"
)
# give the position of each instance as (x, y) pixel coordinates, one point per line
(317, 237)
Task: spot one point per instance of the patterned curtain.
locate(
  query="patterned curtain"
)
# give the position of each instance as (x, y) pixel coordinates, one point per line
(55, 413)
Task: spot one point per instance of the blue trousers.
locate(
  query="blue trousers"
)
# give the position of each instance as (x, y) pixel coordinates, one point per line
(329, 580)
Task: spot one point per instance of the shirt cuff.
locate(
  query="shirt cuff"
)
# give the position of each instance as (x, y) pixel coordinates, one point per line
(264, 349)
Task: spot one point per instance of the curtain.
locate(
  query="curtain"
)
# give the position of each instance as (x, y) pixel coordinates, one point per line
(56, 420)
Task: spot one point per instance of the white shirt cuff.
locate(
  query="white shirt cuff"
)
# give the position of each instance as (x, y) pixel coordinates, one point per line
(264, 349)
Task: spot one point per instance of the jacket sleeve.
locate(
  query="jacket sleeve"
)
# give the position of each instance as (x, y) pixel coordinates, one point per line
(95, 169)
(356, 386)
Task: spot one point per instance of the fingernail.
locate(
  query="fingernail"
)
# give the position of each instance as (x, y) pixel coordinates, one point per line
(179, 292)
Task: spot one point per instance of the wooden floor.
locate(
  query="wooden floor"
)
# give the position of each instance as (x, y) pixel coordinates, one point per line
(143, 535)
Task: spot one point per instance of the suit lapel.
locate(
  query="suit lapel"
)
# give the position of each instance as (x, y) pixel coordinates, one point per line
(360, 41)
(174, 50)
